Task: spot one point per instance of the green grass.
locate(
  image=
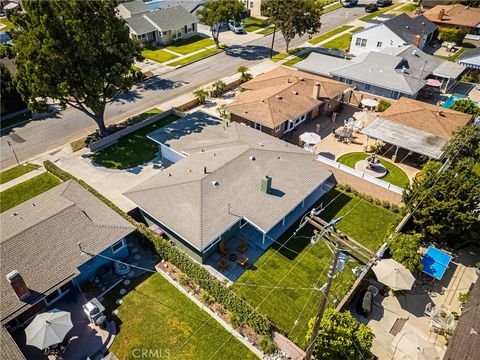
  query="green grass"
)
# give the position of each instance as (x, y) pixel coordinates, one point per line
(17, 171)
(135, 68)
(333, 7)
(297, 58)
(8, 24)
(357, 29)
(132, 150)
(160, 56)
(279, 56)
(329, 34)
(195, 57)
(267, 31)
(341, 43)
(253, 24)
(28, 189)
(157, 316)
(408, 8)
(366, 223)
(191, 44)
(476, 169)
(379, 12)
(453, 57)
(395, 176)
(143, 116)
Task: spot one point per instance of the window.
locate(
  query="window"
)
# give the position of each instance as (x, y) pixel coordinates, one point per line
(257, 126)
(379, 44)
(278, 128)
(243, 222)
(251, 4)
(53, 297)
(367, 86)
(361, 42)
(118, 246)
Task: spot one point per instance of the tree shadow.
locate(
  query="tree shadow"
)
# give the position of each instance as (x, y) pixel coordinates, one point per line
(248, 52)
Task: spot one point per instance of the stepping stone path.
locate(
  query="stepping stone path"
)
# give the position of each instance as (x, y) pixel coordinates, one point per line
(123, 291)
(126, 282)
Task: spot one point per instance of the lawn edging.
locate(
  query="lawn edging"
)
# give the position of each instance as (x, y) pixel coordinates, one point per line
(166, 250)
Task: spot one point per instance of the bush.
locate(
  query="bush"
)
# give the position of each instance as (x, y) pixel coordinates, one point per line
(383, 105)
(183, 280)
(466, 106)
(463, 298)
(266, 344)
(206, 298)
(452, 35)
(166, 250)
(404, 249)
(234, 320)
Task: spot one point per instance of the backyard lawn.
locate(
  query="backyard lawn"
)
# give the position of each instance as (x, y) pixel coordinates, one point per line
(329, 34)
(195, 57)
(17, 171)
(366, 223)
(395, 175)
(157, 316)
(26, 190)
(158, 55)
(132, 150)
(252, 24)
(191, 44)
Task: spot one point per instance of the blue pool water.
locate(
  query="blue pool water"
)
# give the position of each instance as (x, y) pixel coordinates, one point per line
(435, 262)
(451, 100)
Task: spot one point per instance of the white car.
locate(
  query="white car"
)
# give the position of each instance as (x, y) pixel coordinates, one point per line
(236, 27)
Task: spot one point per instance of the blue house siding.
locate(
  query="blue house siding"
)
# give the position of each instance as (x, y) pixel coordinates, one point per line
(89, 268)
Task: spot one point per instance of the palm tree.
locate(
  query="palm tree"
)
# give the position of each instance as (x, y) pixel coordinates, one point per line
(201, 95)
(244, 74)
(218, 88)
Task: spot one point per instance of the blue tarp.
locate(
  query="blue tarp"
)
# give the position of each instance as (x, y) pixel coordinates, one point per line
(435, 262)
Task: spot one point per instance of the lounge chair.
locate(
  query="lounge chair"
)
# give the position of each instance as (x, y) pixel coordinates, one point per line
(223, 248)
(242, 261)
(223, 265)
(242, 246)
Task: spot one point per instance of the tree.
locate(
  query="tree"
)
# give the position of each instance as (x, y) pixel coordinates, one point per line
(82, 56)
(244, 74)
(218, 88)
(465, 143)
(445, 202)
(293, 17)
(404, 249)
(217, 13)
(466, 106)
(201, 95)
(452, 35)
(10, 98)
(383, 105)
(341, 336)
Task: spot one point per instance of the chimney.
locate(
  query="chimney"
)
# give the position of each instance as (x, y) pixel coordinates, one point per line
(266, 186)
(440, 14)
(316, 91)
(18, 284)
(417, 41)
(205, 170)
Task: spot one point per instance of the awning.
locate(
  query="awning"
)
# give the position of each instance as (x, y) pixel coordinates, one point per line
(449, 69)
(418, 141)
(435, 262)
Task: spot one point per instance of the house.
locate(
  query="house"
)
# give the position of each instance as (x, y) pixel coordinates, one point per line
(470, 58)
(190, 5)
(279, 100)
(254, 7)
(416, 126)
(226, 177)
(41, 242)
(398, 31)
(160, 26)
(391, 72)
(457, 16)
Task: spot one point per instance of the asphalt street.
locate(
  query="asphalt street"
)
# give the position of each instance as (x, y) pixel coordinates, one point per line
(39, 136)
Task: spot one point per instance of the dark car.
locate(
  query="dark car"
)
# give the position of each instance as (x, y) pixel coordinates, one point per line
(371, 8)
(383, 3)
(349, 3)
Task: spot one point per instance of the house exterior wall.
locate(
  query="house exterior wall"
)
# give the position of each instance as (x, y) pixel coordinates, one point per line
(254, 6)
(168, 36)
(170, 154)
(375, 90)
(272, 132)
(377, 38)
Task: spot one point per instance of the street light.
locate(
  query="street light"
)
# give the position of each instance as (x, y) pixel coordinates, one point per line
(14, 153)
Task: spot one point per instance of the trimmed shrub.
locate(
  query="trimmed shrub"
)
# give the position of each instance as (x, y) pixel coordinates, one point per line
(452, 35)
(266, 344)
(383, 105)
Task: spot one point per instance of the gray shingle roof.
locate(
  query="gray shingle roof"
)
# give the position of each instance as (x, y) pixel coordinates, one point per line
(471, 57)
(409, 27)
(183, 198)
(9, 349)
(140, 25)
(321, 64)
(163, 19)
(41, 240)
(135, 7)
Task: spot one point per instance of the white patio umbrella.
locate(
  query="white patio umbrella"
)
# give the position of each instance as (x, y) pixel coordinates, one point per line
(48, 328)
(370, 102)
(10, 6)
(310, 138)
(412, 346)
(364, 116)
(393, 274)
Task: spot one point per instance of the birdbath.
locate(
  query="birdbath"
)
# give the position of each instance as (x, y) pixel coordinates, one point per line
(371, 166)
(372, 160)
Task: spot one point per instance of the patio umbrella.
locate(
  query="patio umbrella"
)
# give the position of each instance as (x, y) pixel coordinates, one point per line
(310, 138)
(48, 328)
(370, 102)
(411, 346)
(434, 83)
(364, 116)
(10, 6)
(393, 274)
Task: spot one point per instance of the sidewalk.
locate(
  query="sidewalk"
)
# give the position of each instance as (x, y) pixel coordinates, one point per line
(21, 179)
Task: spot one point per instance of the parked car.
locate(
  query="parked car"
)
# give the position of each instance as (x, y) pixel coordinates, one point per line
(371, 8)
(383, 3)
(236, 27)
(349, 3)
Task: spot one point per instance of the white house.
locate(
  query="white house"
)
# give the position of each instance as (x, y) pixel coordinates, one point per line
(398, 31)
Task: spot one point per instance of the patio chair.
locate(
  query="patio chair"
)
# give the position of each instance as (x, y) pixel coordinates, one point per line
(242, 261)
(223, 265)
(242, 246)
(223, 248)
(428, 309)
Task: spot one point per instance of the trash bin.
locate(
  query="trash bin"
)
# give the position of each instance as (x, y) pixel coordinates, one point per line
(101, 322)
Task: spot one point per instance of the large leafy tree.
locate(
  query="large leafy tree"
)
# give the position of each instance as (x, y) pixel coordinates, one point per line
(465, 143)
(217, 13)
(404, 249)
(293, 17)
(341, 336)
(76, 53)
(466, 106)
(10, 99)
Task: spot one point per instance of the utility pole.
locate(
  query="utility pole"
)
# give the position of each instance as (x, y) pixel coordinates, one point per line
(323, 305)
(14, 153)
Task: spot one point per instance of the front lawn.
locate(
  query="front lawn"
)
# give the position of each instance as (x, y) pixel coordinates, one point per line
(329, 34)
(252, 24)
(131, 150)
(341, 43)
(297, 58)
(160, 56)
(195, 57)
(17, 171)
(395, 175)
(158, 317)
(408, 8)
(26, 190)
(267, 31)
(191, 44)
(366, 223)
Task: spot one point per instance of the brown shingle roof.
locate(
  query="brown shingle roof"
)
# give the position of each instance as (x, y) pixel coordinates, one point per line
(456, 14)
(426, 117)
(282, 94)
(465, 342)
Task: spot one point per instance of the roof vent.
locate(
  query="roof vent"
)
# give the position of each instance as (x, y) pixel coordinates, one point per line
(295, 92)
(14, 214)
(441, 113)
(215, 183)
(423, 22)
(406, 26)
(301, 79)
(289, 80)
(252, 158)
(261, 144)
(278, 97)
(245, 111)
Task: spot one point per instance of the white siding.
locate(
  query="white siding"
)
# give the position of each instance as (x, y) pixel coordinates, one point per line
(377, 38)
(170, 154)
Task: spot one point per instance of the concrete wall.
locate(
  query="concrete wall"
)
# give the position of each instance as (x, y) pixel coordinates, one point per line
(170, 154)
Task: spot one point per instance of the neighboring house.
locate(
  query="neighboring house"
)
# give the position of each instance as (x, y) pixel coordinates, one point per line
(226, 176)
(254, 7)
(41, 257)
(160, 26)
(398, 31)
(190, 5)
(416, 126)
(391, 72)
(457, 16)
(470, 58)
(279, 100)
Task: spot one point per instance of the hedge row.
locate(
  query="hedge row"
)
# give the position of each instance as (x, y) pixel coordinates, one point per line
(383, 203)
(222, 294)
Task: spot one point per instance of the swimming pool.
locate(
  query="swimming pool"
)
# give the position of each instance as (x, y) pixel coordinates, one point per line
(451, 100)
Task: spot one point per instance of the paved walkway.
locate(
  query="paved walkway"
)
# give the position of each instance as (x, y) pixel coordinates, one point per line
(21, 179)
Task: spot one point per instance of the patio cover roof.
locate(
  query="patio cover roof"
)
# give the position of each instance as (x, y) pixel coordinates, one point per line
(405, 137)
(448, 69)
